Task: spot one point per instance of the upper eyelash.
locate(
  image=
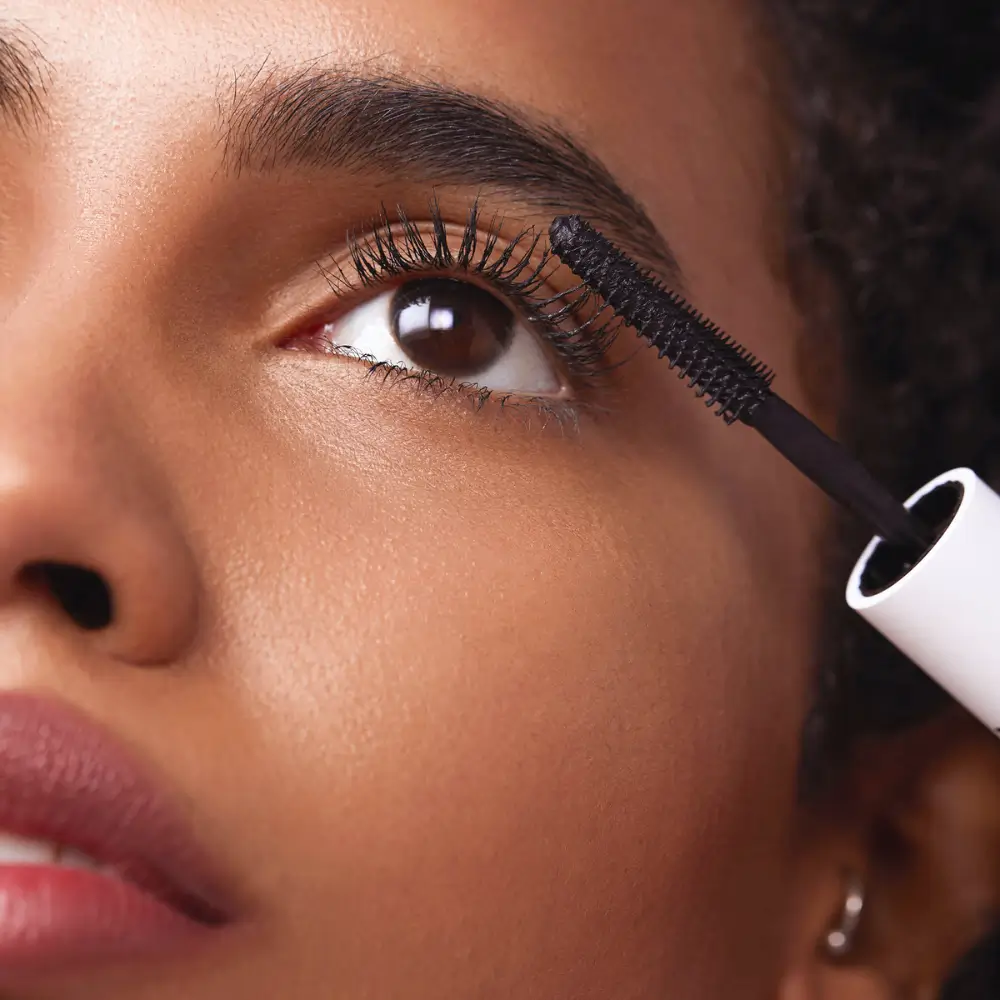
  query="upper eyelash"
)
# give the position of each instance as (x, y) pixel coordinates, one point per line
(516, 269)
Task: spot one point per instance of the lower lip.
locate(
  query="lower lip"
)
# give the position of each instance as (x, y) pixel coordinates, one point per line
(54, 918)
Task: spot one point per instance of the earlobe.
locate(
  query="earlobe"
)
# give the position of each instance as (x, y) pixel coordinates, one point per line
(899, 872)
(824, 959)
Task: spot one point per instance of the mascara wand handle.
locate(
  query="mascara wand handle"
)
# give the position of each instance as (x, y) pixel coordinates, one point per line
(835, 471)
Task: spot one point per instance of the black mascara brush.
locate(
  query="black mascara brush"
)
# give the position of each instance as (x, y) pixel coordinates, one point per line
(730, 378)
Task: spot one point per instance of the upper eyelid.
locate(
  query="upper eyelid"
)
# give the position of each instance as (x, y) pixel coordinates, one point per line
(429, 133)
(516, 265)
(476, 251)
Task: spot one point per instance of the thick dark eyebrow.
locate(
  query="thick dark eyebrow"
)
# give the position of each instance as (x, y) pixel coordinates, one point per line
(23, 78)
(428, 133)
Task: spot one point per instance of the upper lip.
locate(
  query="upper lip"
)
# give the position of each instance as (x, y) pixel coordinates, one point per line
(64, 780)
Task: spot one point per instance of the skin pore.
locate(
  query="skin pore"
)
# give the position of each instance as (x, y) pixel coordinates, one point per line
(467, 704)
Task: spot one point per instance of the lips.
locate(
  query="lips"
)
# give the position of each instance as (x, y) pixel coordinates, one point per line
(145, 886)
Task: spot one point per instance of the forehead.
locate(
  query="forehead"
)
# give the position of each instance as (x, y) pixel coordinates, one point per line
(631, 41)
(640, 78)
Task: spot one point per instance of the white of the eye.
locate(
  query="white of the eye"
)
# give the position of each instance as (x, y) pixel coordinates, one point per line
(367, 331)
(523, 368)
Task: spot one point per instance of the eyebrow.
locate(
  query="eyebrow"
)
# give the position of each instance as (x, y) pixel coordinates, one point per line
(23, 76)
(428, 133)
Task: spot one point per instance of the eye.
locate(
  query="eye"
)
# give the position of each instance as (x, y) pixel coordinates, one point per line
(452, 328)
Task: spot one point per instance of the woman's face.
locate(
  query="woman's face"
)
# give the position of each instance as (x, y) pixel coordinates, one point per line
(464, 700)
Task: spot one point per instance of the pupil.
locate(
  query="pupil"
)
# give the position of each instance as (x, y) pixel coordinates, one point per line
(449, 327)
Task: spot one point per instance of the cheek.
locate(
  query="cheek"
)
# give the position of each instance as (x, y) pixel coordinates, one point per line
(490, 694)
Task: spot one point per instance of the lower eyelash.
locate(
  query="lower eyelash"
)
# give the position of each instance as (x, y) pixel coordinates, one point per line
(565, 413)
(515, 270)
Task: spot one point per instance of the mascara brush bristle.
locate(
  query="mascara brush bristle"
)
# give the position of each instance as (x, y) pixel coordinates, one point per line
(714, 364)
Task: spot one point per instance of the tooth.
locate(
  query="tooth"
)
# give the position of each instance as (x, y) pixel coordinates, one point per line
(70, 857)
(22, 851)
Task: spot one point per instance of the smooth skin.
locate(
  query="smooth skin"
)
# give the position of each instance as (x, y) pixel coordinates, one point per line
(469, 705)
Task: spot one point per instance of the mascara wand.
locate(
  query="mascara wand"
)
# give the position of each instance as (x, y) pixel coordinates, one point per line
(730, 377)
(929, 580)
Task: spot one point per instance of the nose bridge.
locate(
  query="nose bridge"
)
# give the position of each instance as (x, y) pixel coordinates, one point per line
(79, 485)
(58, 384)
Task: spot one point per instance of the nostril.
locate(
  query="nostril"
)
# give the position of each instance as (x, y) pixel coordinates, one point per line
(82, 593)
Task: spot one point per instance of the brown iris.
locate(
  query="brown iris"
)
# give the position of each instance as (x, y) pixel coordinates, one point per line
(452, 328)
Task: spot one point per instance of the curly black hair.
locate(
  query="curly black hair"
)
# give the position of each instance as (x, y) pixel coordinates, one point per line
(896, 106)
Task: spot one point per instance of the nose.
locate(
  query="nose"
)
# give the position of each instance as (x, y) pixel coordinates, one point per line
(115, 571)
(89, 534)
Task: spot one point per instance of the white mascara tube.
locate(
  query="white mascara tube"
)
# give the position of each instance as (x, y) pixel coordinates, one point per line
(943, 609)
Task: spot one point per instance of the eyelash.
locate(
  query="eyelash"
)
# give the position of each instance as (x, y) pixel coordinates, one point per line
(513, 268)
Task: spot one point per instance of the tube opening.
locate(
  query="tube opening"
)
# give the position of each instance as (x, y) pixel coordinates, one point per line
(890, 563)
